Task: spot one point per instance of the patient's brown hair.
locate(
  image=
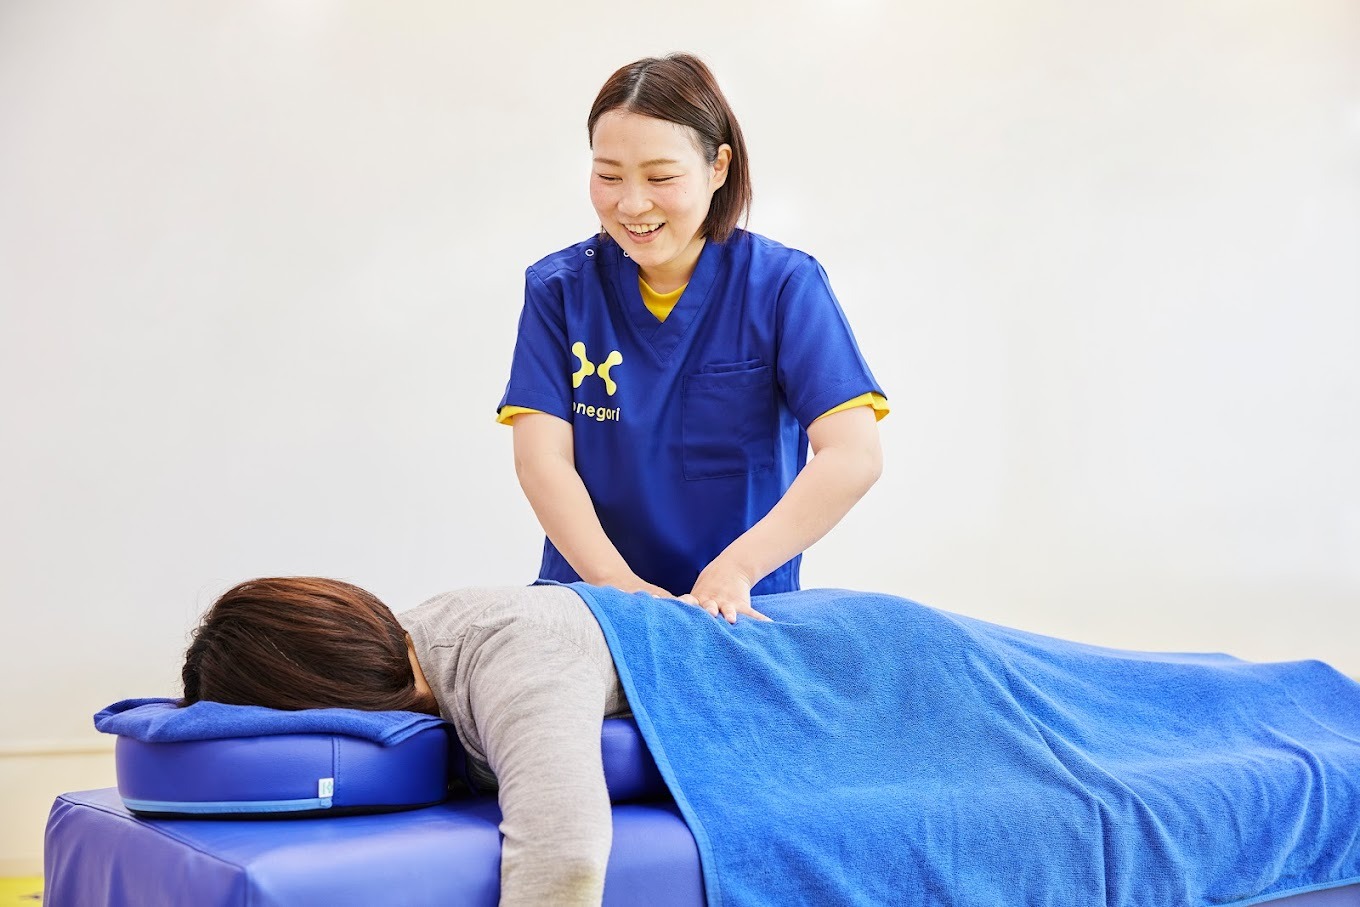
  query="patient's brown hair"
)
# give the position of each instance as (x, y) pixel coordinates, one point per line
(301, 642)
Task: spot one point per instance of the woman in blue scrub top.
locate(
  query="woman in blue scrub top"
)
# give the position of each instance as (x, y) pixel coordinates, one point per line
(670, 372)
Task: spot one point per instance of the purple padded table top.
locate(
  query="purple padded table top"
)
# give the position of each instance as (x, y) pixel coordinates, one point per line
(98, 854)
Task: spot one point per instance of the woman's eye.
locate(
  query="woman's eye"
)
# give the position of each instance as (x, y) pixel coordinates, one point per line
(607, 179)
(662, 179)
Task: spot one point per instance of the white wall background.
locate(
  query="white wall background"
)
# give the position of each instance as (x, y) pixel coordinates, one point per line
(261, 264)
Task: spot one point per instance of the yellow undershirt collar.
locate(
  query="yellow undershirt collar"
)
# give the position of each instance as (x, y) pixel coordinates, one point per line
(659, 304)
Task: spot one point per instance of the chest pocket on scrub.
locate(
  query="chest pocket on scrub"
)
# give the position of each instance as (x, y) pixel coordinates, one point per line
(728, 420)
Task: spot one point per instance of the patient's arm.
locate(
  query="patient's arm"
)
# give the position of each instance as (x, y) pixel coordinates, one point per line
(847, 460)
(546, 465)
(538, 703)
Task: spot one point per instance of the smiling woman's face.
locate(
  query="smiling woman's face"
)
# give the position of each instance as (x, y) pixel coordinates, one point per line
(652, 188)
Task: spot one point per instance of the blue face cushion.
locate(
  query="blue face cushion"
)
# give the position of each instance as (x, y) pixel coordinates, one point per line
(282, 775)
(212, 760)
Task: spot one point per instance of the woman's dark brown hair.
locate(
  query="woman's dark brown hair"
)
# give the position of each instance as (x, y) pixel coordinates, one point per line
(679, 88)
(301, 642)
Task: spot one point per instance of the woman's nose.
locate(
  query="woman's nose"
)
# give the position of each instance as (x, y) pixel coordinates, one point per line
(634, 201)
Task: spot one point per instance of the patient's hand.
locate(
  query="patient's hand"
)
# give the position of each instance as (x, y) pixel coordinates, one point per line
(723, 590)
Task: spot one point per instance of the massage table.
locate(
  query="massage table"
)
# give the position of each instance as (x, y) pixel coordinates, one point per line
(100, 854)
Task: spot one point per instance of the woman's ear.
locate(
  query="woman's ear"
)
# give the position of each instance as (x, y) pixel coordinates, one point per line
(720, 164)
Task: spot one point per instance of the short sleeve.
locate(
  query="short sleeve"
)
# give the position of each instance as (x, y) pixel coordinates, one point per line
(819, 364)
(539, 369)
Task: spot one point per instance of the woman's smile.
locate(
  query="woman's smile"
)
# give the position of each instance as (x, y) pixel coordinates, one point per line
(643, 233)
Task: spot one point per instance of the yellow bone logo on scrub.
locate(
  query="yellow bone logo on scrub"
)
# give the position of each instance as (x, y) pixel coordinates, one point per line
(587, 368)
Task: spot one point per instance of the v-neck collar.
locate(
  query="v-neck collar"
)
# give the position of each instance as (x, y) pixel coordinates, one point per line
(665, 336)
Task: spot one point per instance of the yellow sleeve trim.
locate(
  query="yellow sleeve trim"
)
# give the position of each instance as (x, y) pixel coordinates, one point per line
(508, 413)
(877, 401)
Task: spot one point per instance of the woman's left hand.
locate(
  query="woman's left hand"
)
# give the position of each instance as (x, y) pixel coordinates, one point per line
(723, 591)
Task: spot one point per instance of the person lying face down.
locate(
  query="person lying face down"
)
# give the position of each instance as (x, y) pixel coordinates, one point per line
(522, 673)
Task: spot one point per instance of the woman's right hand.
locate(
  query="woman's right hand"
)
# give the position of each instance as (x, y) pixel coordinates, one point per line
(633, 583)
(545, 462)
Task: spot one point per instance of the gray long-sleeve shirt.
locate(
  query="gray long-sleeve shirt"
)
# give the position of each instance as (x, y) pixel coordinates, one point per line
(525, 677)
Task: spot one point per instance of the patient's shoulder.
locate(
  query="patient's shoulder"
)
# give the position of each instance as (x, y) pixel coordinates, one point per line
(449, 615)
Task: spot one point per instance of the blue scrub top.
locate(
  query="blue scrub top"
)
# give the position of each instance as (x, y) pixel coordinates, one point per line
(686, 431)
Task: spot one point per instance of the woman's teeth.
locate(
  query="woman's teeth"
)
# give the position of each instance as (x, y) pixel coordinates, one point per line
(642, 229)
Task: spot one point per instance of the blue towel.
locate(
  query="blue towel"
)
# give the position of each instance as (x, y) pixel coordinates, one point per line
(865, 749)
(162, 721)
